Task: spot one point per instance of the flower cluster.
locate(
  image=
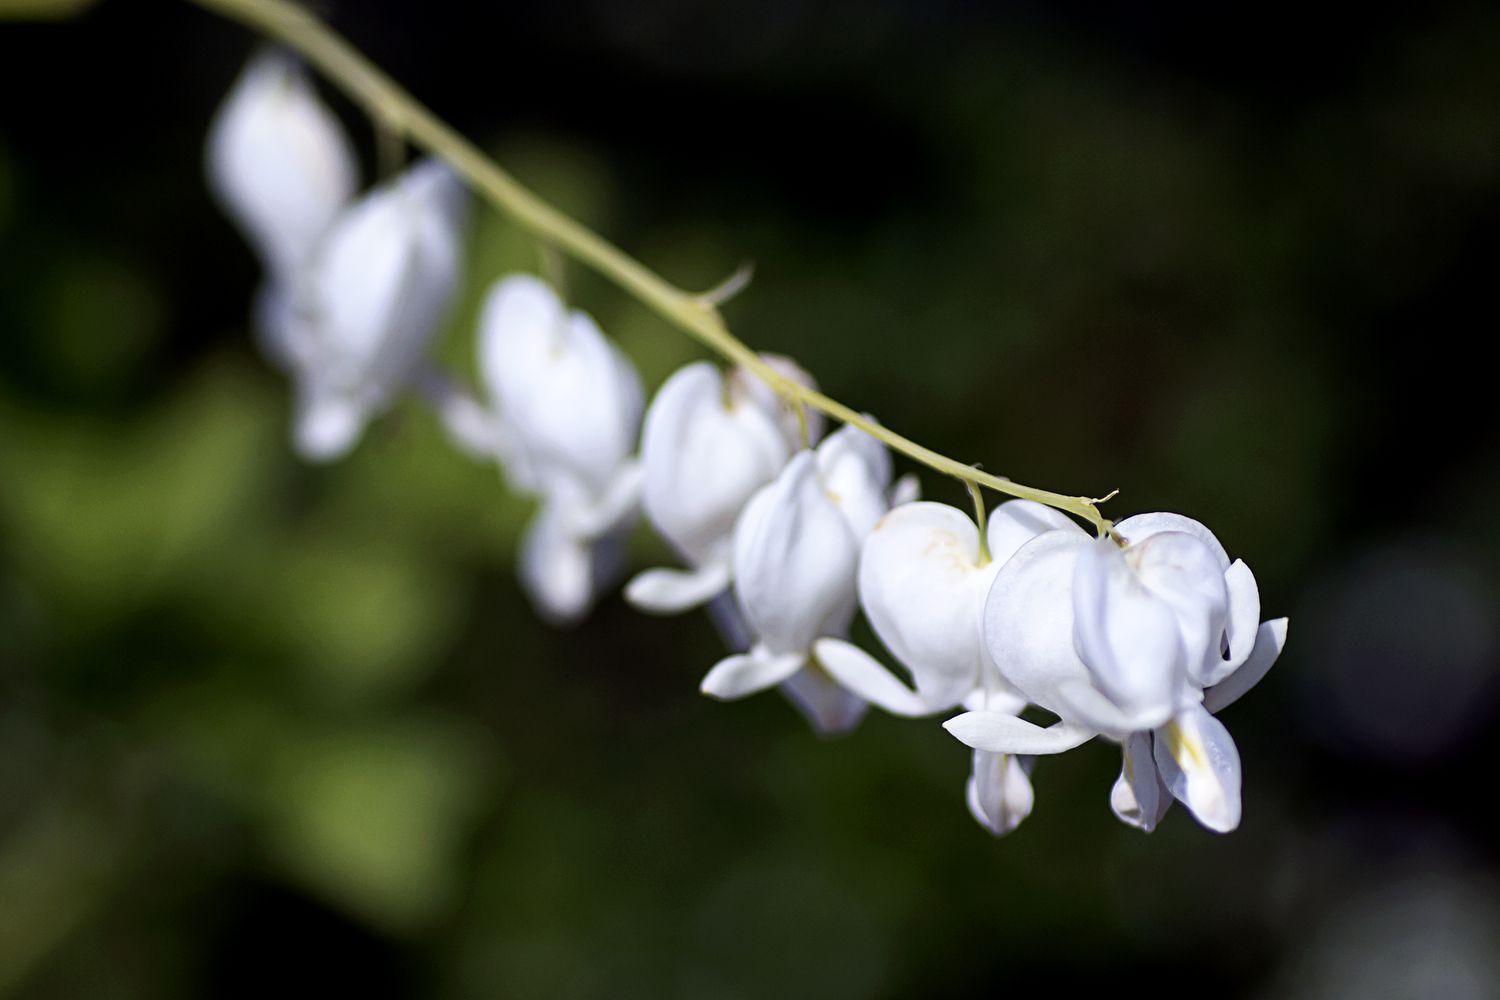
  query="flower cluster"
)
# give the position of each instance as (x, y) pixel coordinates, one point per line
(1138, 636)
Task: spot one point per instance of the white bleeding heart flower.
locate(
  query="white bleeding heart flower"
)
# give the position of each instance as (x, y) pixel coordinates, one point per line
(999, 791)
(279, 163)
(923, 581)
(709, 442)
(1125, 639)
(381, 282)
(566, 409)
(796, 552)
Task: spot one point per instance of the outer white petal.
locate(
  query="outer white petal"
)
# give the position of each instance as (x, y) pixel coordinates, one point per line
(1139, 798)
(1269, 641)
(1201, 766)
(999, 792)
(557, 568)
(855, 470)
(1183, 572)
(1140, 527)
(862, 674)
(1128, 637)
(384, 279)
(1028, 630)
(794, 561)
(568, 393)
(828, 706)
(705, 449)
(1000, 732)
(672, 591)
(744, 674)
(279, 162)
(923, 591)
(616, 506)
(1015, 522)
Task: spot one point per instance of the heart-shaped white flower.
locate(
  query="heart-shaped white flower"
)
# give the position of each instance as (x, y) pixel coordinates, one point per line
(710, 441)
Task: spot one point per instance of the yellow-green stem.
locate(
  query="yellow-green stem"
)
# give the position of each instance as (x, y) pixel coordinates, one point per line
(395, 109)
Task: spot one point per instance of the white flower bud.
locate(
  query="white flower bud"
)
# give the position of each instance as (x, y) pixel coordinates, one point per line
(279, 163)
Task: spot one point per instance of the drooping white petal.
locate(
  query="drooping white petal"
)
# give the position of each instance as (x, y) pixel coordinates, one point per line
(794, 561)
(1015, 522)
(616, 505)
(855, 470)
(1269, 640)
(1201, 766)
(326, 426)
(923, 591)
(744, 674)
(556, 567)
(999, 792)
(862, 674)
(705, 448)
(279, 162)
(1127, 636)
(828, 706)
(672, 591)
(1139, 798)
(566, 391)
(1001, 732)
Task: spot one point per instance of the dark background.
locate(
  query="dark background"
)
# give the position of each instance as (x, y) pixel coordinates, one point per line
(265, 726)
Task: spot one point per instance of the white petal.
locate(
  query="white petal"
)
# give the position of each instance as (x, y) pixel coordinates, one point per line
(1028, 630)
(280, 163)
(999, 732)
(1269, 641)
(745, 674)
(1127, 636)
(794, 561)
(1184, 573)
(1140, 527)
(865, 676)
(567, 392)
(704, 449)
(999, 792)
(616, 506)
(855, 470)
(907, 489)
(1201, 766)
(1243, 621)
(672, 591)
(557, 568)
(923, 591)
(471, 428)
(1139, 798)
(327, 427)
(826, 704)
(385, 277)
(1015, 522)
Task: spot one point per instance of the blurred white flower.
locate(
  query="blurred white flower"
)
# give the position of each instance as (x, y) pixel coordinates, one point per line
(1143, 638)
(567, 409)
(796, 551)
(380, 284)
(279, 162)
(709, 442)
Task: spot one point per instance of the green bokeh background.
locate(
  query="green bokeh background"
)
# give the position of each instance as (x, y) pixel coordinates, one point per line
(264, 724)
